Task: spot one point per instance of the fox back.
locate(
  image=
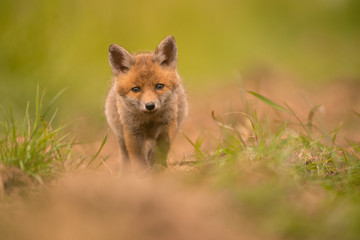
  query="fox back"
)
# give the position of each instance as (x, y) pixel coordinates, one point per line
(147, 102)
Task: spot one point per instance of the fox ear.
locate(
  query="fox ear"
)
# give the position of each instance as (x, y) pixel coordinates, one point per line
(166, 52)
(120, 59)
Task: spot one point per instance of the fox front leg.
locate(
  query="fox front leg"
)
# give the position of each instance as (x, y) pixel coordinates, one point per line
(135, 149)
(124, 157)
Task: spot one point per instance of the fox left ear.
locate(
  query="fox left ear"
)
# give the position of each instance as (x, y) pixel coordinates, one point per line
(166, 52)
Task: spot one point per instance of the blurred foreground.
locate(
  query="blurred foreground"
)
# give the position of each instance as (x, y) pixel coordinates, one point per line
(91, 206)
(280, 183)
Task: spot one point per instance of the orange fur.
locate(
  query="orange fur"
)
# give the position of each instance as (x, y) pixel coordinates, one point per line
(147, 103)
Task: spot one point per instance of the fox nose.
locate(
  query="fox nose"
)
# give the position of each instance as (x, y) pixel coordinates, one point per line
(150, 106)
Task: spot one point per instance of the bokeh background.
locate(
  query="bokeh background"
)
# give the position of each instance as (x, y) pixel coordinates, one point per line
(64, 43)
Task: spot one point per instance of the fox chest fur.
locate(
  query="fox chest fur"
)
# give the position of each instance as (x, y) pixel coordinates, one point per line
(147, 102)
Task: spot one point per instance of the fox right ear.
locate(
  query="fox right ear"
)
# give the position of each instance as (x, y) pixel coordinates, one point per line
(120, 59)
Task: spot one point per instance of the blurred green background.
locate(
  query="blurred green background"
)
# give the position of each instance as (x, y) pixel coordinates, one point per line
(64, 43)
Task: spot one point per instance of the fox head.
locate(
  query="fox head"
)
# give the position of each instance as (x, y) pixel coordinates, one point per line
(145, 82)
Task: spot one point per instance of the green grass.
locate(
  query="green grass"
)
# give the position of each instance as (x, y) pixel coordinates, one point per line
(38, 144)
(292, 180)
(301, 146)
(34, 143)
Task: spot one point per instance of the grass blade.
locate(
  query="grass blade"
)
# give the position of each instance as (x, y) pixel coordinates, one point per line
(195, 145)
(311, 116)
(98, 152)
(357, 114)
(53, 100)
(268, 101)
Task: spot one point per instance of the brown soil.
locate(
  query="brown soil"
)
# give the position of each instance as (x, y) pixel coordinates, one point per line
(91, 206)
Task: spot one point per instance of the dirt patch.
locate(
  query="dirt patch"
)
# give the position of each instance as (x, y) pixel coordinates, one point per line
(126, 207)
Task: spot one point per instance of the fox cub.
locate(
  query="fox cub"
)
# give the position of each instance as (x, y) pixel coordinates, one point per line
(147, 103)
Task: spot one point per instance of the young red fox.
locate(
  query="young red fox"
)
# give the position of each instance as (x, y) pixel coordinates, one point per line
(147, 102)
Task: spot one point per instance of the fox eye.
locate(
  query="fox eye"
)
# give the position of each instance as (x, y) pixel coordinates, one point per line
(136, 89)
(159, 86)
